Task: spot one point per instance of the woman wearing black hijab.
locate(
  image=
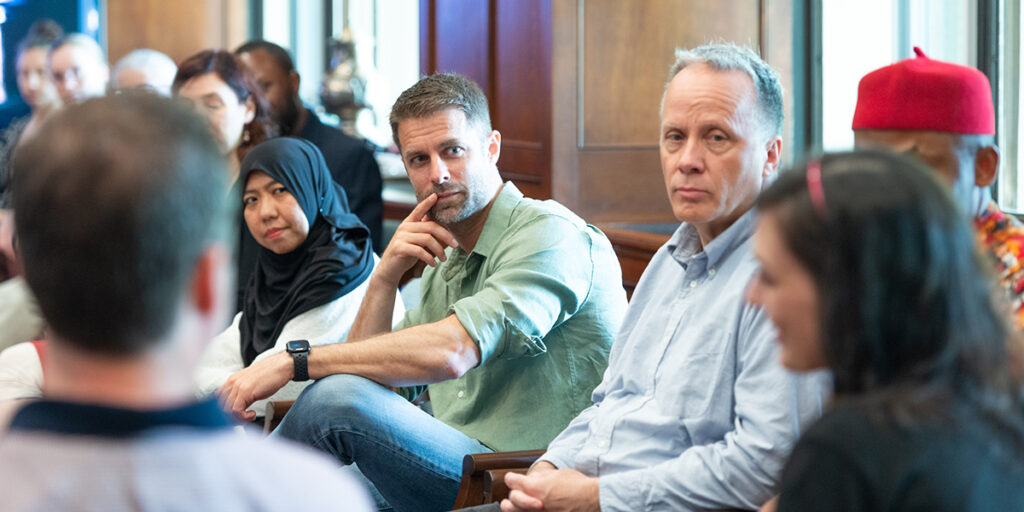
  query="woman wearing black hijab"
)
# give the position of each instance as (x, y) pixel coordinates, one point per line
(314, 262)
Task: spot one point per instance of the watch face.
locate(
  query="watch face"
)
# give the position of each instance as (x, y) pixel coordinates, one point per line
(297, 346)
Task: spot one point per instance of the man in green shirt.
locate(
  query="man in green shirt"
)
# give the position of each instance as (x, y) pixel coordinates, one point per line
(520, 302)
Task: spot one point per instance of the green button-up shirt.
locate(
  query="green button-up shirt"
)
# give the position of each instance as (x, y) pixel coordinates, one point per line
(541, 295)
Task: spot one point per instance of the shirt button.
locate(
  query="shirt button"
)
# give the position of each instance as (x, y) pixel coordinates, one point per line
(462, 394)
(602, 443)
(693, 284)
(711, 272)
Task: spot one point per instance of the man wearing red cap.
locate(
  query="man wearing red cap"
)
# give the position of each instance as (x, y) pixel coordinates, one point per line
(942, 113)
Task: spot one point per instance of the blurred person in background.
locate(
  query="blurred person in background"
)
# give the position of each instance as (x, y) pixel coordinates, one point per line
(868, 269)
(78, 67)
(144, 69)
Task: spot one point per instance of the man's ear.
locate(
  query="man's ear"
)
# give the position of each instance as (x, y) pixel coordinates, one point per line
(774, 157)
(493, 146)
(986, 165)
(294, 80)
(209, 289)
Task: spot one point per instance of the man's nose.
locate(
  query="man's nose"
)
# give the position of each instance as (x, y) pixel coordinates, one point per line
(690, 157)
(439, 171)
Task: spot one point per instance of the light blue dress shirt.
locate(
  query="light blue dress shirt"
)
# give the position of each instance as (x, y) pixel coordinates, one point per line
(695, 410)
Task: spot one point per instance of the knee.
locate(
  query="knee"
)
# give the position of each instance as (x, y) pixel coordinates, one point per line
(337, 397)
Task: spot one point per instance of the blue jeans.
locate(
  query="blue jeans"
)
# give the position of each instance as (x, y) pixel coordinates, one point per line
(413, 459)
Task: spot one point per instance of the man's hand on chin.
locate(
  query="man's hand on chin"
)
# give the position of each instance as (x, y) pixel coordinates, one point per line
(258, 381)
(552, 490)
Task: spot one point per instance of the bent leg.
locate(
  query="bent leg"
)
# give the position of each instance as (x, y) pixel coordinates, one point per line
(413, 459)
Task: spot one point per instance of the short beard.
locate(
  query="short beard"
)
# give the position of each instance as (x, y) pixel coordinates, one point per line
(289, 117)
(471, 203)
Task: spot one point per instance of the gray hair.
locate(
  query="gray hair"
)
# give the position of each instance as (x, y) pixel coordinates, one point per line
(158, 68)
(730, 57)
(82, 41)
(437, 92)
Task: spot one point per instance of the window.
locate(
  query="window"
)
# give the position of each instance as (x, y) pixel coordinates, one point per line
(1009, 186)
(386, 35)
(859, 37)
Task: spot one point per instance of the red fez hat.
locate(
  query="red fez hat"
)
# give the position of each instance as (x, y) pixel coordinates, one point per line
(924, 94)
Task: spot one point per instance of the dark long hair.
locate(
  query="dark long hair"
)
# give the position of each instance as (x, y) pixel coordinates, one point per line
(238, 77)
(908, 318)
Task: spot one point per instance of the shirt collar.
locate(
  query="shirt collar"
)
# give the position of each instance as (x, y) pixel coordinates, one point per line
(498, 219)
(685, 242)
(105, 421)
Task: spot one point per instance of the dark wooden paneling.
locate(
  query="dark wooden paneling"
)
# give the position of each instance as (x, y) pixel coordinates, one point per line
(627, 50)
(427, 31)
(521, 106)
(624, 185)
(461, 40)
(635, 250)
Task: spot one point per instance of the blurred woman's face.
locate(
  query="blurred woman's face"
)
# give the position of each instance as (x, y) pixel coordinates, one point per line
(215, 100)
(272, 214)
(34, 81)
(786, 291)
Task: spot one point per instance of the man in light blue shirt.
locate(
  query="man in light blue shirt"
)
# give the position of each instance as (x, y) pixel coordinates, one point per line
(694, 411)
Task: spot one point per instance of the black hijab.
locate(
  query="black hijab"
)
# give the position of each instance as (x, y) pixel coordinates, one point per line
(335, 258)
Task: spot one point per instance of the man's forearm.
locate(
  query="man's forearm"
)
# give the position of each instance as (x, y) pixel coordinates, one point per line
(422, 354)
(376, 311)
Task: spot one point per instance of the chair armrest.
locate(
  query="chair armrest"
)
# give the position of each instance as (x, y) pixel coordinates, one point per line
(275, 413)
(495, 489)
(482, 472)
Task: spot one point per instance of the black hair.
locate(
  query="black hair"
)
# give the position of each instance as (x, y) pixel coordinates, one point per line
(117, 198)
(280, 56)
(908, 318)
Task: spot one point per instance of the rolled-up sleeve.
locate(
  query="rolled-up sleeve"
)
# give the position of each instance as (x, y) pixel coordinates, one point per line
(533, 287)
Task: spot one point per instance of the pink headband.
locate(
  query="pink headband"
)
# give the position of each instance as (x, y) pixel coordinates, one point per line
(814, 187)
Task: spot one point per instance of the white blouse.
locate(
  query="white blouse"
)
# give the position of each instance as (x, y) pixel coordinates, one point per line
(329, 323)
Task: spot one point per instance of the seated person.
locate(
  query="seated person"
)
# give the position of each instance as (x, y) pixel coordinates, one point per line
(518, 309)
(130, 188)
(36, 89)
(313, 267)
(868, 270)
(78, 67)
(942, 113)
(349, 159)
(695, 412)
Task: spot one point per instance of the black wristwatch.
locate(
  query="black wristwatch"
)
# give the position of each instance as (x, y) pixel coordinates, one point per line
(299, 349)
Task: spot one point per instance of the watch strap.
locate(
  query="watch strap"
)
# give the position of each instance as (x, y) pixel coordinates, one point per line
(300, 362)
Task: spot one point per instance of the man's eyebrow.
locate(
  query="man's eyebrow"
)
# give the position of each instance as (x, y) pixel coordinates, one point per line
(412, 153)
